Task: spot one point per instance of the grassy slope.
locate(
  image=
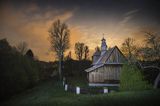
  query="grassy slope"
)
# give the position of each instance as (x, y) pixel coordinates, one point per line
(52, 93)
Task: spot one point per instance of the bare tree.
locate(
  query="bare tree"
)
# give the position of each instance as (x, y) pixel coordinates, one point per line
(152, 52)
(152, 49)
(22, 47)
(59, 39)
(128, 48)
(79, 50)
(86, 52)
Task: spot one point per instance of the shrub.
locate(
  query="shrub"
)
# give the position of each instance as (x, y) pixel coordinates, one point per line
(131, 78)
(17, 72)
(75, 67)
(31, 69)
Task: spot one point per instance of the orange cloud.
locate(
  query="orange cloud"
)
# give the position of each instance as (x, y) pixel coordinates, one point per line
(18, 26)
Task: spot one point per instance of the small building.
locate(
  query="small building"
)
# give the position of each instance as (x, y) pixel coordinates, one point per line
(106, 66)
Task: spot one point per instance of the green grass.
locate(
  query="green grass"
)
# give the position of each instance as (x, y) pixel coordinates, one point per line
(52, 93)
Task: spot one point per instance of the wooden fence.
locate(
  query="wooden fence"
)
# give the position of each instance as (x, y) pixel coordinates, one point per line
(85, 90)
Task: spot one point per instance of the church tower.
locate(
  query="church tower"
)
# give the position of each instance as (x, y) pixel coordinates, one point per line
(103, 46)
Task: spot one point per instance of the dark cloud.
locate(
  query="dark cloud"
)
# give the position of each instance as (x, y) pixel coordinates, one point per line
(148, 7)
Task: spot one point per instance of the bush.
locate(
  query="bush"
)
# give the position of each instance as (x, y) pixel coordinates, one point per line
(17, 72)
(132, 79)
(75, 67)
(31, 69)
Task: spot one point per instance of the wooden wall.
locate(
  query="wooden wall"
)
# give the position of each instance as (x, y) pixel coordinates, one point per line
(105, 73)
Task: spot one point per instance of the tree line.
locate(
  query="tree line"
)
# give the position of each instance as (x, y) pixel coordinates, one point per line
(150, 50)
(19, 69)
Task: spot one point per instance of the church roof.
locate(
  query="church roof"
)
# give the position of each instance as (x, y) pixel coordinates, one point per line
(103, 59)
(97, 53)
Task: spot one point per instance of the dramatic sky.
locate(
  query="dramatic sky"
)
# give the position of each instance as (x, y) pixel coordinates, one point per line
(88, 20)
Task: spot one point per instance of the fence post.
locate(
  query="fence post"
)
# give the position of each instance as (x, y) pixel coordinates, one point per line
(105, 90)
(66, 87)
(63, 82)
(77, 90)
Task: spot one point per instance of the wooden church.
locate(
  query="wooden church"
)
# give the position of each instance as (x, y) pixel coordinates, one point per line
(106, 66)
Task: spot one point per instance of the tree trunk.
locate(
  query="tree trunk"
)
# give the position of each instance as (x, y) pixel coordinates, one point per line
(60, 66)
(156, 81)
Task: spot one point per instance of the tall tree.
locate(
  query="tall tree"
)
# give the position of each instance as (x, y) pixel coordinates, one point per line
(152, 48)
(128, 48)
(79, 50)
(86, 52)
(59, 39)
(22, 47)
(151, 52)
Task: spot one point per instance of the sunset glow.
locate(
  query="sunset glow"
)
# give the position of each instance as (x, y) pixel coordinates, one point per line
(87, 20)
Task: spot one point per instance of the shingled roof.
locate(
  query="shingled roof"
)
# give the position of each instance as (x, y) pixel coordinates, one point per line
(102, 59)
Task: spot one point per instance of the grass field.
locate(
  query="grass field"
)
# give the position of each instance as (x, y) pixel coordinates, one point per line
(51, 93)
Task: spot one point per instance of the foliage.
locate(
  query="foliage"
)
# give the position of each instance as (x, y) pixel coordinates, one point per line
(76, 68)
(47, 70)
(59, 39)
(17, 72)
(132, 79)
